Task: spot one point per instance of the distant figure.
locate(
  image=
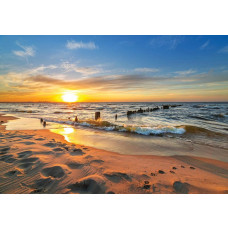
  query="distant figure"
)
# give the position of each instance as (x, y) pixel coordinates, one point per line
(44, 123)
(116, 117)
(76, 119)
(41, 120)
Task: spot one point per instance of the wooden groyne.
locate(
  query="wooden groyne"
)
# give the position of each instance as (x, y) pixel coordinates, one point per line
(151, 109)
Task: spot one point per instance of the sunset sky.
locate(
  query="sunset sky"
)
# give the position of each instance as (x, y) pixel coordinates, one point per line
(114, 68)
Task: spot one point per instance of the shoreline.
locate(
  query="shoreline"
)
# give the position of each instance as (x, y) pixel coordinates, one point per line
(40, 161)
(124, 142)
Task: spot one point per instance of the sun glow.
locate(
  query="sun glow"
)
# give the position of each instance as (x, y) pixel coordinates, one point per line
(68, 130)
(69, 97)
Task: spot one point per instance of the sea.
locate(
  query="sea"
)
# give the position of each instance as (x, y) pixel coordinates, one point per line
(203, 123)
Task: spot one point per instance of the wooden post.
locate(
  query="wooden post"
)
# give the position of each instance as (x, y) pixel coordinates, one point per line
(97, 115)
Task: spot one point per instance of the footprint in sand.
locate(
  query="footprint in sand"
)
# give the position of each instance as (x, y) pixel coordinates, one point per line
(182, 166)
(171, 171)
(75, 165)
(180, 187)
(4, 150)
(58, 149)
(28, 143)
(41, 185)
(39, 139)
(27, 163)
(26, 153)
(146, 185)
(117, 176)
(96, 161)
(28, 160)
(76, 152)
(88, 156)
(12, 173)
(43, 152)
(7, 158)
(89, 185)
(50, 144)
(161, 171)
(55, 172)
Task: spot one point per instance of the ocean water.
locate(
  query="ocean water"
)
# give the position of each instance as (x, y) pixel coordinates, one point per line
(204, 123)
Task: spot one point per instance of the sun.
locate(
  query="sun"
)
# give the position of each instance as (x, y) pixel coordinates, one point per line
(69, 97)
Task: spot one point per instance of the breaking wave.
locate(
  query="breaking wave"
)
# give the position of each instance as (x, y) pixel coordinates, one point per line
(107, 126)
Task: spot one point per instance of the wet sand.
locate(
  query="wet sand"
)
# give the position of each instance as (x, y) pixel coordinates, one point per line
(40, 161)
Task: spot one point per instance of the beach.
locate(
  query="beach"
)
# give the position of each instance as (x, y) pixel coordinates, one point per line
(41, 161)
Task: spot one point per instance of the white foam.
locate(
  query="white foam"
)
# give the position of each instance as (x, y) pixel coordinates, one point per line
(158, 130)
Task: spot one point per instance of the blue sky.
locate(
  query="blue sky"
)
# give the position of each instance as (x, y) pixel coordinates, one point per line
(136, 66)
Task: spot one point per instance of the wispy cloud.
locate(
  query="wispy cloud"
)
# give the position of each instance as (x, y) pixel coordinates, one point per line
(224, 49)
(80, 45)
(185, 72)
(25, 52)
(41, 68)
(20, 84)
(101, 83)
(204, 45)
(171, 42)
(63, 68)
(146, 70)
(69, 67)
(131, 82)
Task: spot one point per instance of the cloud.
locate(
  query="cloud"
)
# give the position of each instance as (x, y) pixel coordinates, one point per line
(130, 82)
(41, 69)
(137, 83)
(203, 46)
(80, 45)
(185, 72)
(25, 52)
(109, 82)
(146, 70)
(224, 49)
(69, 67)
(171, 42)
(63, 68)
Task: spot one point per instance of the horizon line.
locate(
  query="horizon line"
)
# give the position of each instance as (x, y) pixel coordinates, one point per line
(114, 102)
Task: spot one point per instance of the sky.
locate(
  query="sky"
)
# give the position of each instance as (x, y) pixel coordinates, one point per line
(114, 68)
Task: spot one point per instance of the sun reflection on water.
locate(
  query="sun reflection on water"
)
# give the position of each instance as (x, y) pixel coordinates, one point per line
(64, 132)
(68, 130)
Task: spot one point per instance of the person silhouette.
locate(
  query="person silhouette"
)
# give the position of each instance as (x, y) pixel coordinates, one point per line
(44, 123)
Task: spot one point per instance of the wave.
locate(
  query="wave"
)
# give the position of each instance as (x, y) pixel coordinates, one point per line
(142, 130)
(62, 112)
(219, 115)
(189, 129)
(107, 126)
(198, 117)
(198, 106)
(23, 111)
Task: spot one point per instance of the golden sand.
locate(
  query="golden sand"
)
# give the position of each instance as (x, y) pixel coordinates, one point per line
(40, 161)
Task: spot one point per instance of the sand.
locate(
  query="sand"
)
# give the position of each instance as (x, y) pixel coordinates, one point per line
(40, 161)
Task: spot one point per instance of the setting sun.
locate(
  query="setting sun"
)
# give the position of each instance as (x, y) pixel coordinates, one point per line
(69, 97)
